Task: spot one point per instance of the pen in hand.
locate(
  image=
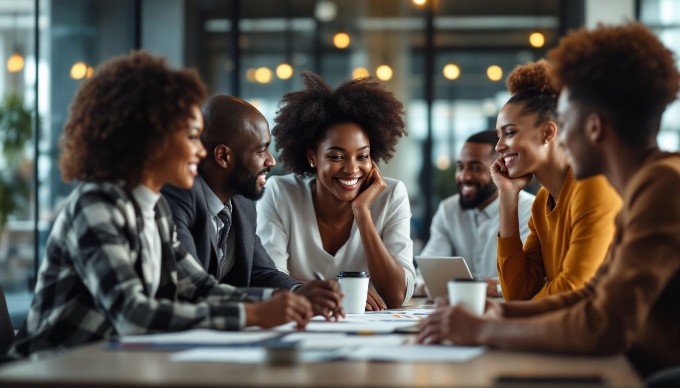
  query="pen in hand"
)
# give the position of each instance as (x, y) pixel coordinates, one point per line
(339, 312)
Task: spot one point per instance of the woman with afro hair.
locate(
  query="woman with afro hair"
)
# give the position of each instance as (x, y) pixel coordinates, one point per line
(113, 265)
(572, 223)
(336, 212)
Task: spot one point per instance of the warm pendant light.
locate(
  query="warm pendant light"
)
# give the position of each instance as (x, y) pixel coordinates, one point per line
(284, 71)
(384, 72)
(341, 40)
(536, 39)
(15, 63)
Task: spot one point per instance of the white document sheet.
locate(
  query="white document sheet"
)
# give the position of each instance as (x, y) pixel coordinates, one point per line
(306, 340)
(198, 337)
(417, 353)
(385, 316)
(350, 326)
(392, 353)
(248, 355)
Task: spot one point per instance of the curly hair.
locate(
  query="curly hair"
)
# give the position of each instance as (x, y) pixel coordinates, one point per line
(530, 84)
(624, 72)
(121, 116)
(303, 117)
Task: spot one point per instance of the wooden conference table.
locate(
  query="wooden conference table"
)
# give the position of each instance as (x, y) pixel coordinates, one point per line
(98, 365)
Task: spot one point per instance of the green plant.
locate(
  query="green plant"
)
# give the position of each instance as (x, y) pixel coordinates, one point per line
(15, 132)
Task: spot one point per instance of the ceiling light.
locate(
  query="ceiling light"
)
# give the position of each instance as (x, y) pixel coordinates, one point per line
(250, 75)
(263, 75)
(384, 72)
(341, 39)
(78, 70)
(451, 71)
(495, 73)
(360, 72)
(284, 71)
(325, 11)
(15, 63)
(536, 39)
(443, 162)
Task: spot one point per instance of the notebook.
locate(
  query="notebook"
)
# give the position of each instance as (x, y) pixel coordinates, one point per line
(438, 270)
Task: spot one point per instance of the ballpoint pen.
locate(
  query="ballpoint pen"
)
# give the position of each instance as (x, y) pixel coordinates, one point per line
(318, 275)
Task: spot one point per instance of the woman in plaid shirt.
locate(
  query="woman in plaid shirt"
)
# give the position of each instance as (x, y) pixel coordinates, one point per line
(113, 265)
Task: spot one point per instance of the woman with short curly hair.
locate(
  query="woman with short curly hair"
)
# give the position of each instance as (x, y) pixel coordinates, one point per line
(336, 212)
(572, 222)
(113, 265)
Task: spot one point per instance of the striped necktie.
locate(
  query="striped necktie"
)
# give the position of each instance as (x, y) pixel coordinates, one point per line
(225, 216)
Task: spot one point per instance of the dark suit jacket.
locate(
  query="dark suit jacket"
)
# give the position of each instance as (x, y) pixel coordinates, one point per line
(253, 266)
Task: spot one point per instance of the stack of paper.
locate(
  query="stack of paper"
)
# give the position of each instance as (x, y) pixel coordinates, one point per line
(193, 338)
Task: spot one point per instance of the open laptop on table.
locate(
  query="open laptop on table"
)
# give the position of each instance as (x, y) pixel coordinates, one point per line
(438, 270)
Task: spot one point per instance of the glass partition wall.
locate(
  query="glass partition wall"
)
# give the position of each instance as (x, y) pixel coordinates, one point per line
(446, 60)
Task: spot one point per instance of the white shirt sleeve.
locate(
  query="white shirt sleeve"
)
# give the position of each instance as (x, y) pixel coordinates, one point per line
(396, 235)
(270, 228)
(439, 243)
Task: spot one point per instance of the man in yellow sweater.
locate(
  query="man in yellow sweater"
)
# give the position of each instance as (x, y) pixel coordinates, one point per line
(616, 82)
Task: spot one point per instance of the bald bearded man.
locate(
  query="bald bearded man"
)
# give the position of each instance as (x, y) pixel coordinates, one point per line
(216, 218)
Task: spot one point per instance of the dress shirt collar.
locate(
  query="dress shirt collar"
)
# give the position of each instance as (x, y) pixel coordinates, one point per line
(213, 202)
(489, 211)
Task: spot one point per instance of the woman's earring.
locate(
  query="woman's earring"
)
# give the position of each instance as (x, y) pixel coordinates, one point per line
(311, 164)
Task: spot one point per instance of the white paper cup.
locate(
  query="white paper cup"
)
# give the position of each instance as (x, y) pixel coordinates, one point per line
(469, 292)
(354, 286)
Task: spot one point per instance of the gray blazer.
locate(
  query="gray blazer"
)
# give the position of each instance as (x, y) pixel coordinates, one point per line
(253, 266)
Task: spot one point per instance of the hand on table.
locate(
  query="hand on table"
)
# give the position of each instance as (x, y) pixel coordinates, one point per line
(282, 307)
(374, 302)
(325, 297)
(492, 288)
(454, 323)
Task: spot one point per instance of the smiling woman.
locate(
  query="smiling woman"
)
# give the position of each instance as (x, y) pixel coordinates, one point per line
(336, 212)
(572, 222)
(113, 265)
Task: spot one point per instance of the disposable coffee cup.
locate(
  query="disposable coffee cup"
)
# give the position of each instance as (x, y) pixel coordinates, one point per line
(354, 286)
(470, 293)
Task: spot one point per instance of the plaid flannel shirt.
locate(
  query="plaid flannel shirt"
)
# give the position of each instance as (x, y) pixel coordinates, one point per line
(91, 287)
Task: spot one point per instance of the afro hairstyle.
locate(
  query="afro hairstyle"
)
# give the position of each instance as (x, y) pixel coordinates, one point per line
(304, 116)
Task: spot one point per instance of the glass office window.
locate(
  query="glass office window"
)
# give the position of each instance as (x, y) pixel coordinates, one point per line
(74, 37)
(242, 48)
(663, 16)
(17, 159)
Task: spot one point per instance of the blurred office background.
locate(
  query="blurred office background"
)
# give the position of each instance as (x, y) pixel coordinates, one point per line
(447, 60)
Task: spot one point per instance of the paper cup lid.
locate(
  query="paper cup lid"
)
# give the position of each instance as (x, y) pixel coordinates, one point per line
(353, 275)
(467, 280)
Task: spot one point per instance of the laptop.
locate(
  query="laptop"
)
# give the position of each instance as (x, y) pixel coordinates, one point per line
(438, 270)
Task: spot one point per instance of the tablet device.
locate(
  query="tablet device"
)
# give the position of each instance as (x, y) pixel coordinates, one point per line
(438, 270)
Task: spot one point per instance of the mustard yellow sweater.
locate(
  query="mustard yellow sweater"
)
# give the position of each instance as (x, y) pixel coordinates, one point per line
(565, 245)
